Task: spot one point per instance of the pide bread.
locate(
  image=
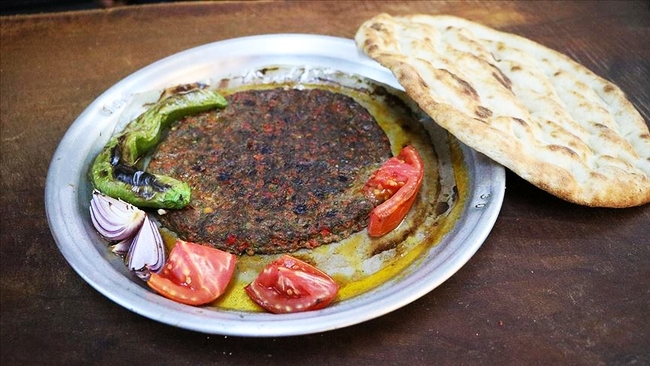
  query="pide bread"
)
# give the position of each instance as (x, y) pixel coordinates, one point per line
(534, 110)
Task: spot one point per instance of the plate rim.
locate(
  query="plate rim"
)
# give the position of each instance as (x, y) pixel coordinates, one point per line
(482, 208)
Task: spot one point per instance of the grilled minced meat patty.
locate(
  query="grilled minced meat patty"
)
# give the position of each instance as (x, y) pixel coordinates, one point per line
(275, 171)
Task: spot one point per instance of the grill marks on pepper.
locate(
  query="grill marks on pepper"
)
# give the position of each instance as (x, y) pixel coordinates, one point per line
(282, 169)
(141, 181)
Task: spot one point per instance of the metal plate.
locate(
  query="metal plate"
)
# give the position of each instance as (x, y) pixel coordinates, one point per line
(68, 191)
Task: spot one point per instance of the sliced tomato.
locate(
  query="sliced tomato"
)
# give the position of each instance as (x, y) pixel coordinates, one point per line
(396, 183)
(194, 274)
(289, 285)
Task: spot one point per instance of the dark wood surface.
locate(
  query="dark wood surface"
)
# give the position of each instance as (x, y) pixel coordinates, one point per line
(554, 283)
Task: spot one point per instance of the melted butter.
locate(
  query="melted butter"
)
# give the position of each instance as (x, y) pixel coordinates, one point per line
(401, 262)
(235, 297)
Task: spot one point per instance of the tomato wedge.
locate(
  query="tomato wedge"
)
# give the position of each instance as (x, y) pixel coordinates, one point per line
(194, 274)
(396, 183)
(289, 285)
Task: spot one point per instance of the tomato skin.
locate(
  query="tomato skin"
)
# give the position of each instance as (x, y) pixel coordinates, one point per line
(397, 183)
(194, 274)
(289, 285)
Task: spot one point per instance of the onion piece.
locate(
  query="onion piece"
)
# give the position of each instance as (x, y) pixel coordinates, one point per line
(147, 251)
(122, 247)
(114, 219)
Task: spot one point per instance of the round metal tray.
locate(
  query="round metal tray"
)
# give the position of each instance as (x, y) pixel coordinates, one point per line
(68, 190)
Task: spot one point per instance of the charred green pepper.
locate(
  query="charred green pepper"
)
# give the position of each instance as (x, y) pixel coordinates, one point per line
(114, 171)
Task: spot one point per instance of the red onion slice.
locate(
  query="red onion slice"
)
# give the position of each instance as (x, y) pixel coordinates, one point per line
(114, 219)
(122, 247)
(147, 251)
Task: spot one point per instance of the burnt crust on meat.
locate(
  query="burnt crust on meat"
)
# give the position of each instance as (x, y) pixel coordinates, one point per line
(275, 171)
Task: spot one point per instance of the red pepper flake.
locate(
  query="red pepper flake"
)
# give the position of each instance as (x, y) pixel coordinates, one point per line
(231, 239)
(267, 127)
(312, 243)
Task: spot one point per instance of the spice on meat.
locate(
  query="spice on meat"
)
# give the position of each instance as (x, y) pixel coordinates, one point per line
(275, 171)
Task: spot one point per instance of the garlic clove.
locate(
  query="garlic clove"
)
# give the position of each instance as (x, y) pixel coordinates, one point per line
(114, 219)
(147, 251)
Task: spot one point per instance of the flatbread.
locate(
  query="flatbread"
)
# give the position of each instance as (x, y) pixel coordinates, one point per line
(545, 117)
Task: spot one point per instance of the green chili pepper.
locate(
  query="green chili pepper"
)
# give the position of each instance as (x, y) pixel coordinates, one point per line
(114, 170)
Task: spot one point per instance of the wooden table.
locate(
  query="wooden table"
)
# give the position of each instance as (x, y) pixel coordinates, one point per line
(553, 283)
